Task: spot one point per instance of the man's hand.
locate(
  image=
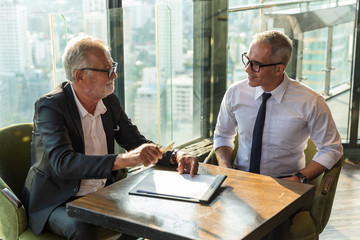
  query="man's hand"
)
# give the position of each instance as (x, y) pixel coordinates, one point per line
(147, 154)
(187, 163)
(292, 178)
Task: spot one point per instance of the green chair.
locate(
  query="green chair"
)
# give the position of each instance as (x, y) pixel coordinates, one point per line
(15, 160)
(310, 220)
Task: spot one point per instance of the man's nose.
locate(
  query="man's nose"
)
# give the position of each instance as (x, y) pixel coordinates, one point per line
(114, 75)
(248, 68)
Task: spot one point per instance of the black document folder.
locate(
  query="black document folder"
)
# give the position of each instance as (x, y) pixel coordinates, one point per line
(172, 185)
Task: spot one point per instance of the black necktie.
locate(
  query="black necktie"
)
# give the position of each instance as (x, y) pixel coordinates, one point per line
(257, 136)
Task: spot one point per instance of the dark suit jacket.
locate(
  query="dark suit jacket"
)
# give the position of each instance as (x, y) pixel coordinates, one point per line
(57, 152)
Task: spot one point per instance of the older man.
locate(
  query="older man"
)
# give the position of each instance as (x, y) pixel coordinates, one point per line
(75, 127)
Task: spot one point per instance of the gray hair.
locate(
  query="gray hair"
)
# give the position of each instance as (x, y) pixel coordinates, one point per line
(281, 45)
(76, 52)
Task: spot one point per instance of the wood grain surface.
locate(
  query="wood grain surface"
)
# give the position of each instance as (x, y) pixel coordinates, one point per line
(247, 206)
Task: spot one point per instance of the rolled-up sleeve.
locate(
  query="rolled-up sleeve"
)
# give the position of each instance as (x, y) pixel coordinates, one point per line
(324, 134)
(226, 125)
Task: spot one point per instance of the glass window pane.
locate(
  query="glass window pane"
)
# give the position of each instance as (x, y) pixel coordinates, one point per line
(158, 60)
(158, 53)
(314, 58)
(31, 42)
(341, 61)
(25, 62)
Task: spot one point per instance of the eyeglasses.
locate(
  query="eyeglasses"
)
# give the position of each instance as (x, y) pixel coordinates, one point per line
(110, 72)
(255, 66)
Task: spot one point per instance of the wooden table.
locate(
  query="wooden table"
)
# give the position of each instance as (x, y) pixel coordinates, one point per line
(247, 206)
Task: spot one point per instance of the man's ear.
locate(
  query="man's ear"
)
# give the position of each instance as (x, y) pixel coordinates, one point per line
(280, 69)
(79, 75)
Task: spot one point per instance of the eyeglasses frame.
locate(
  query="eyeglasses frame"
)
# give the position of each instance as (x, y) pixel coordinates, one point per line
(110, 72)
(251, 63)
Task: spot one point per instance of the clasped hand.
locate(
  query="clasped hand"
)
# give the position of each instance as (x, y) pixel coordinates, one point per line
(149, 153)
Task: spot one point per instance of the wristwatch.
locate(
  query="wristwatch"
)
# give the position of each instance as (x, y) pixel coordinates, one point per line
(173, 156)
(302, 177)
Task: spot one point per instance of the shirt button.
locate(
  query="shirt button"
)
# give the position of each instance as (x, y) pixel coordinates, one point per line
(76, 190)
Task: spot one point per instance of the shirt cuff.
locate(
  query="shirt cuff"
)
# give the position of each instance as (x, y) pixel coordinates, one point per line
(221, 141)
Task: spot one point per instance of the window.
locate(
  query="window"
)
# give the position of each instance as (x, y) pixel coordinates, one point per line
(157, 53)
(176, 58)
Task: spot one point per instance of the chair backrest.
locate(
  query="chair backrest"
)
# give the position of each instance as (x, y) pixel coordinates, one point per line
(15, 155)
(324, 196)
(310, 152)
(325, 184)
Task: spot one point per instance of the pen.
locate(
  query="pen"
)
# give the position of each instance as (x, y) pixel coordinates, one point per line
(168, 147)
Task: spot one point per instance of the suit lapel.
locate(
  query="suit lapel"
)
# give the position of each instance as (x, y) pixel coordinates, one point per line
(106, 118)
(108, 126)
(73, 110)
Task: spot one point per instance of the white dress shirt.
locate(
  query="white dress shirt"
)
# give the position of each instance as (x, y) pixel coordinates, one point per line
(94, 140)
(294, 113)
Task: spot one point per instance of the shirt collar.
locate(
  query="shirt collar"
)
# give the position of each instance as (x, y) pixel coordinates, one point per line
(277, 93)
(100, 107)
